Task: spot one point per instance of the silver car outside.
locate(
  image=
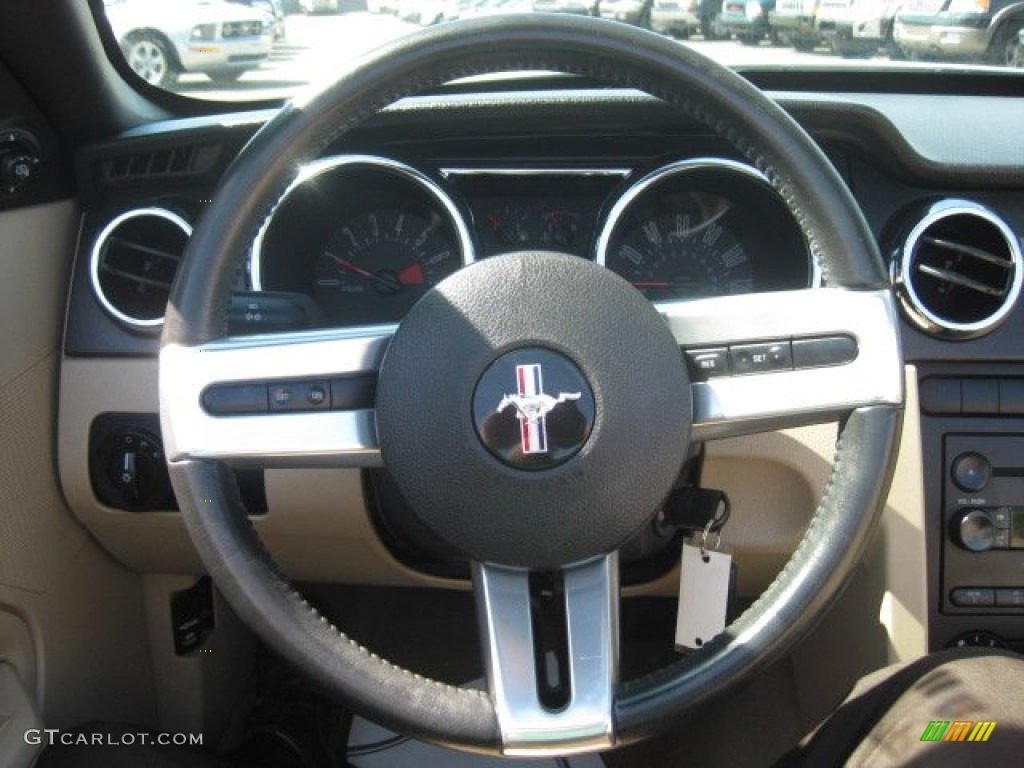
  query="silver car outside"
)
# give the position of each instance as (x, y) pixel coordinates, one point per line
(161, 41)
(675, 17)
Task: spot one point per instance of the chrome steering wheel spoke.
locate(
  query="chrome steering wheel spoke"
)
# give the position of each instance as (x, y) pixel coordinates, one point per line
(801, 385)
(589, 608)
(326, 428)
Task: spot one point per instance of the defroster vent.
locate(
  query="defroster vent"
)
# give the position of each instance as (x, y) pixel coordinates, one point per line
(134, 261)
(958, 271)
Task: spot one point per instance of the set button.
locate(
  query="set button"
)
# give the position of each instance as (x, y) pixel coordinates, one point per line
(761, 358)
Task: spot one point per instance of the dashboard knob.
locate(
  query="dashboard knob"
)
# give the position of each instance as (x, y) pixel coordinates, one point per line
(971, 472)
(975, 530)
(128, 471)
(19, 158)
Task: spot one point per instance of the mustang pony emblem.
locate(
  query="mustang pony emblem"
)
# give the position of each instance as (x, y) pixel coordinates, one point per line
(532, 407)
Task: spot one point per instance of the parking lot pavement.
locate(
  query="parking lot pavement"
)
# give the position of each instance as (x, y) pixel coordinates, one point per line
(319, 48)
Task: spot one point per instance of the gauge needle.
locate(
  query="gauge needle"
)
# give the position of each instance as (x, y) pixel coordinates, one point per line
(348, 265)
(649, 284)
(385, 280)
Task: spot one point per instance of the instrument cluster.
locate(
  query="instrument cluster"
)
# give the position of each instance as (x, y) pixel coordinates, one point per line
(367, 236)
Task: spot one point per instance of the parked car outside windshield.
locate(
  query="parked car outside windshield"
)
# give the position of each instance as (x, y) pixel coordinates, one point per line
(979, 30)
(163, 40)
(234, 50)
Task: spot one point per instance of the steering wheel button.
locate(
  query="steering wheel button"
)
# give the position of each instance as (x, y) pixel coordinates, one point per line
(300, 396)
(830, 350)
(281, 397)
(316, 396)
(708, 363)
(234, 399)
(761, 358)
(353, 393)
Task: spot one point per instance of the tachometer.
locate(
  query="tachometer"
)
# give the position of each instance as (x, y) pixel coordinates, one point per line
(365, 236)
(379, 263)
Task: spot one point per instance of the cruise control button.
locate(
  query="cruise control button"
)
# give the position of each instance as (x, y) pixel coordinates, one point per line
(761, 358)
(973, 597)
(830, 350)
(708, 363)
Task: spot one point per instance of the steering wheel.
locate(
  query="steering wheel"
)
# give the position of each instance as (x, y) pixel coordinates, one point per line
(559, 500)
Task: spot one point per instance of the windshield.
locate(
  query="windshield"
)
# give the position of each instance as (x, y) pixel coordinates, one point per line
(267, 49)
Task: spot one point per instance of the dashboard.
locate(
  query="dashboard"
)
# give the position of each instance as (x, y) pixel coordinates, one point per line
(437, 183)
(358, 239)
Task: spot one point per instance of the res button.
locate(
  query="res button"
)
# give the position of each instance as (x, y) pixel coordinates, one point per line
(708, 363)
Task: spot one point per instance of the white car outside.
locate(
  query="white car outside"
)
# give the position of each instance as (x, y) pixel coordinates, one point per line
(219, 39)
(675, 17)
(857, 27)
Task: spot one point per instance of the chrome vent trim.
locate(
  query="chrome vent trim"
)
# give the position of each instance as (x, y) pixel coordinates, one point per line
(126, 260)
(958, 272)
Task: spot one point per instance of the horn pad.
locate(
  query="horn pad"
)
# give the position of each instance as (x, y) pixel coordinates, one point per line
(534, 410)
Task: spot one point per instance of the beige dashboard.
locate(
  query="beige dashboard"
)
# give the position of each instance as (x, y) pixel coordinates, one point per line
(318, 527)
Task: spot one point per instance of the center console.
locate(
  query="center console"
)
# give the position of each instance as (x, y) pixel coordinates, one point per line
(973, 433)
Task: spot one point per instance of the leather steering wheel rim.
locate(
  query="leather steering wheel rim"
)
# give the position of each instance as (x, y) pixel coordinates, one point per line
(769, 139)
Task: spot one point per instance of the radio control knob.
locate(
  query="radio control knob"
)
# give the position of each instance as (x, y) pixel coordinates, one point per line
(971, 472)
(975, 530)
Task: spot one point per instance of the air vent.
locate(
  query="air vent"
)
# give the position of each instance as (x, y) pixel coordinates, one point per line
(959, 271)
(134, 262)
(179, 161)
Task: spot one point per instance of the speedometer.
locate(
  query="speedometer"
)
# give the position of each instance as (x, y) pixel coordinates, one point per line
(678, 255)
(704, 228)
